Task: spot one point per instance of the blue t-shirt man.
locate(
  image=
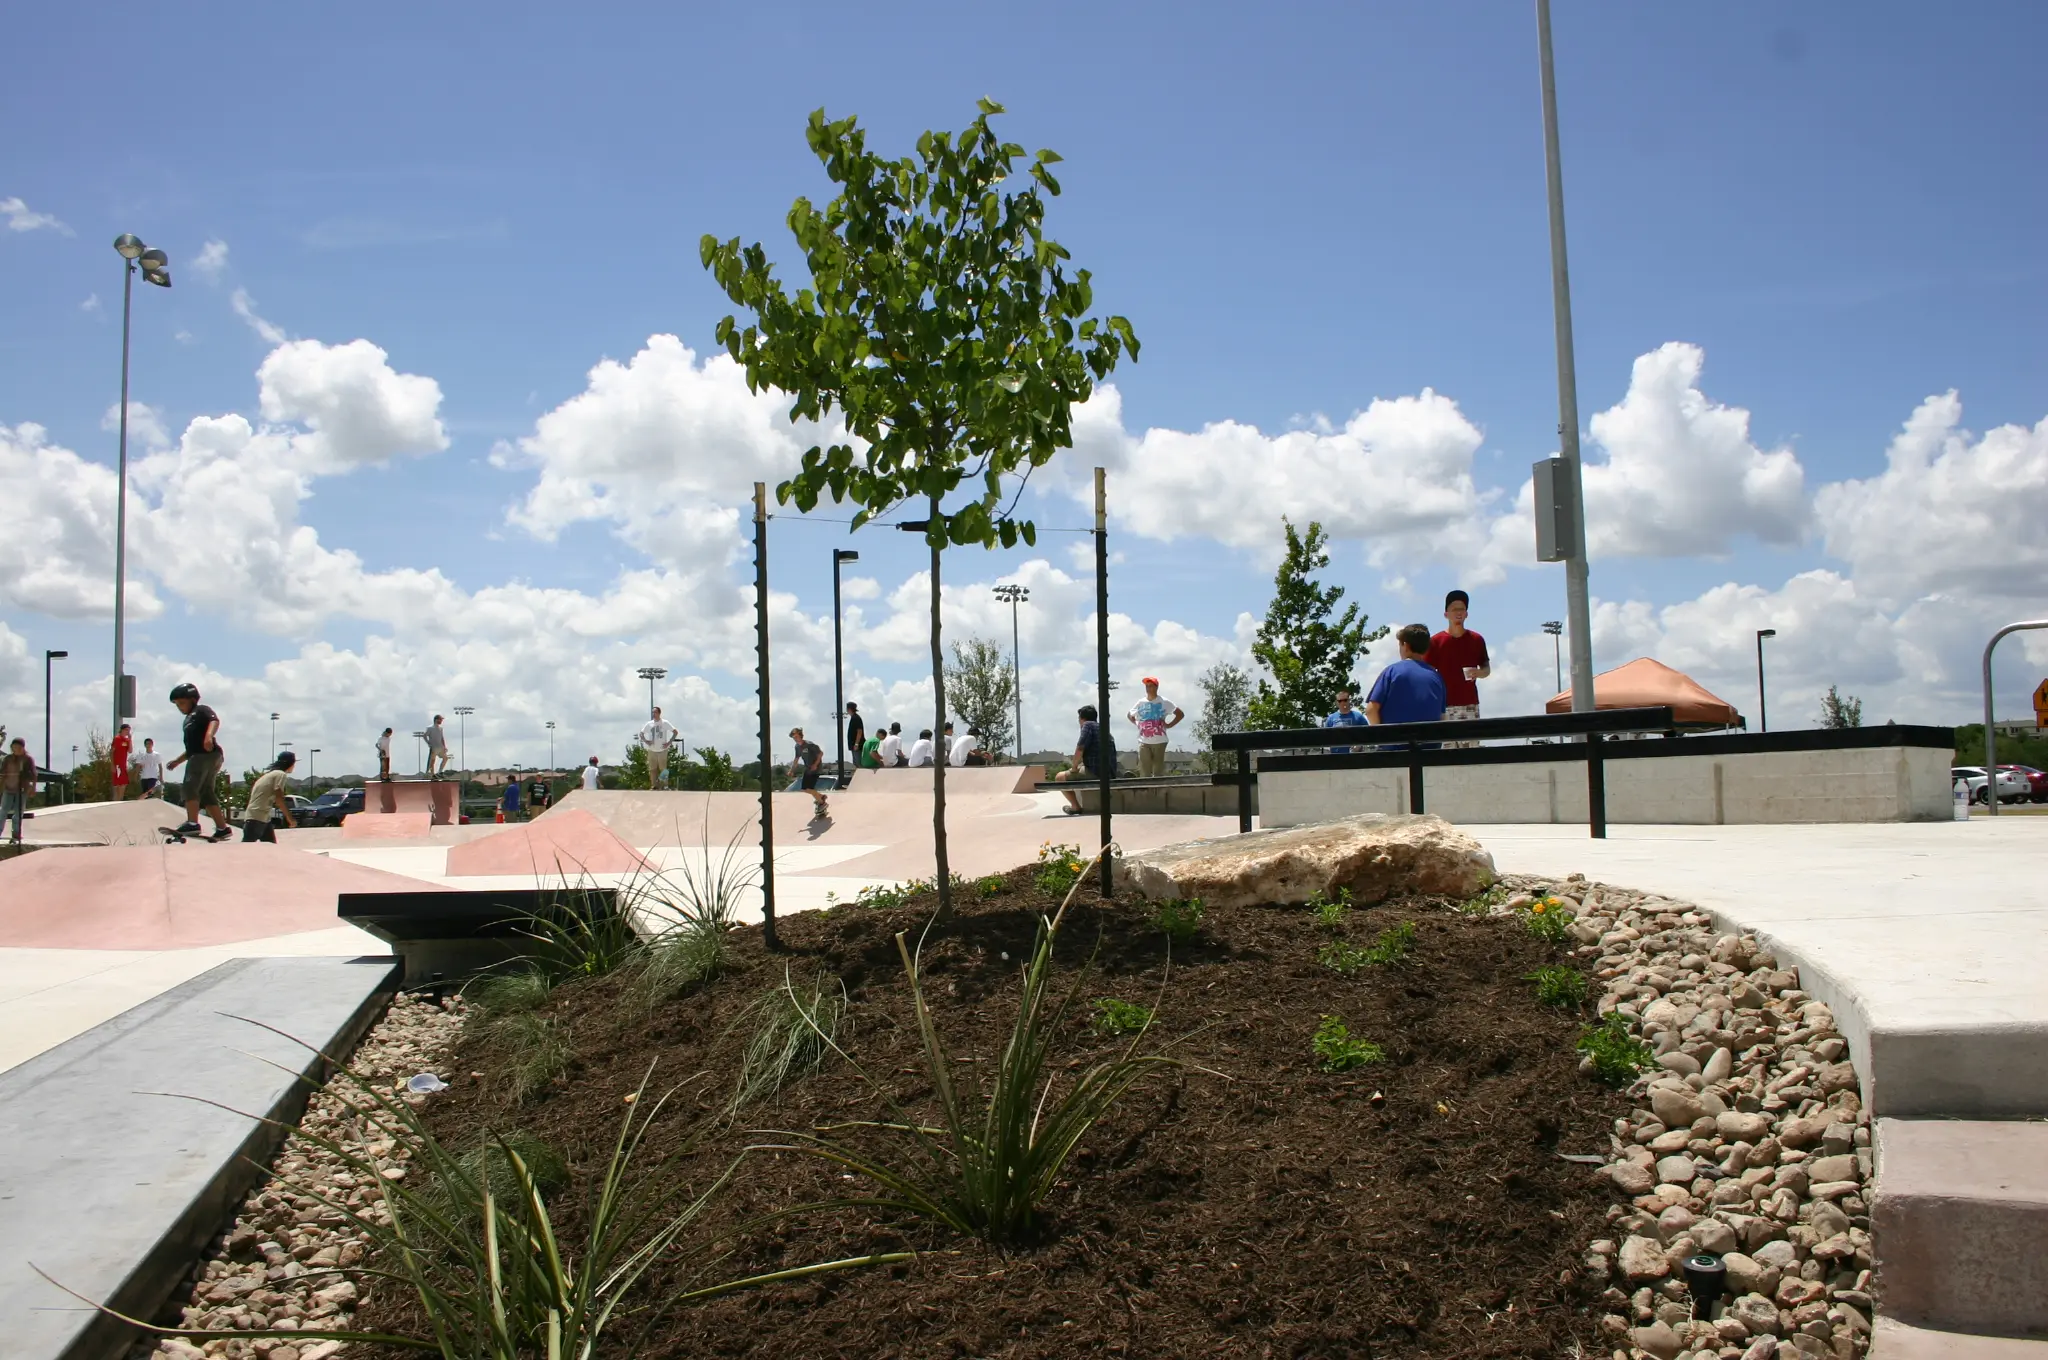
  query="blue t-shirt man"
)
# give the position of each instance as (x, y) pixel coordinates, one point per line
(1345, 716)
(1410, 690)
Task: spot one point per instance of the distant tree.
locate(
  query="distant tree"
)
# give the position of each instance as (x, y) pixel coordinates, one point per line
(1840, 710)
(633, 769)
(940, 321)
(1307, 656)
(93, 781)
(1226, 707)
(982, 688)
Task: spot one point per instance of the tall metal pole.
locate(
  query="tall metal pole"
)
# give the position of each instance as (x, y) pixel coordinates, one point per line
(48, 658)
(1763, 713)
(767, 739)
(1017, 676)
(121, 496)
(551, 745)
(1106, 774)
(1990, 737)
(838, 683)
(1577, 610)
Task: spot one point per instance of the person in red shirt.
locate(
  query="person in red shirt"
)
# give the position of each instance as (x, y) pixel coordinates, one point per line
(1459, 656)
(119, 752)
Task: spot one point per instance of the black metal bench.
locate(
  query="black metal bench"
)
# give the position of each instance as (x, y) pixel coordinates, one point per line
(1418, 738)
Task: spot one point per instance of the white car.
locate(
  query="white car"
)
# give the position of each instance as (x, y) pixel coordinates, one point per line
(2013, 787)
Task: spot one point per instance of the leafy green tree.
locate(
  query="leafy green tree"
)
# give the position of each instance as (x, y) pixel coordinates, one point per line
(1226, 707)
(1838, 710)
(941, 323)
(1307, 655)
(633, 769)
(982, 686)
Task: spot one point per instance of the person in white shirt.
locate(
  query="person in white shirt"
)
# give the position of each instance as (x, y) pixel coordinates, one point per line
(1153, 716)
(921, 749)
(149, 770)
(384, 757)
(890, 753)
(958, 748)
(590, 774)
(656, 738)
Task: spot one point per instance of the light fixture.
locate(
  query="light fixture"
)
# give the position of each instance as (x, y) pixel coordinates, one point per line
(128, 244)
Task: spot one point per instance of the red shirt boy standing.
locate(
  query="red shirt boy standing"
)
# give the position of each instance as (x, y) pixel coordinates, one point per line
(119, 752)
(1459, 656)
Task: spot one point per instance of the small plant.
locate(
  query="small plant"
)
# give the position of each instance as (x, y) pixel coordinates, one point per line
(512, 992)
(584, 932)
(1059, 867)
(1180, 920)
(889, 896)
(1548, 920)
(1330, 912)
(1558, 985)
(1337, 1051)
(1394, 944)
(1343, 957)
(1617, 1054)
(538, 1047)
(793, 1029)
(1495, 896)
(1114, 1017)
(990, 886)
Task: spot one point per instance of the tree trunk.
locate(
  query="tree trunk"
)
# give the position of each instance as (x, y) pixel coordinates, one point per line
(944, 877)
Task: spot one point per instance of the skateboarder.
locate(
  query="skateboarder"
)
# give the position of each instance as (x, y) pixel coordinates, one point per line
(384, 757)
(17, 780)
(809, 755)
(202, 759)
(149, 770)
(437, 749)
(119, 751)
(267, 797)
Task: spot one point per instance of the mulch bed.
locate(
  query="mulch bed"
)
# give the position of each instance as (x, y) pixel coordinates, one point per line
(1416, 1207)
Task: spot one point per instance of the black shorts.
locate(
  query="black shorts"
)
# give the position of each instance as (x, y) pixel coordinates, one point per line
(147, 785)
(810, 780)
(202, 777)
(253, 830)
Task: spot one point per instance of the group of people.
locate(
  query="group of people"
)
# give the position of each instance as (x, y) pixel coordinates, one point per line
(1436, 678)
(887, 749)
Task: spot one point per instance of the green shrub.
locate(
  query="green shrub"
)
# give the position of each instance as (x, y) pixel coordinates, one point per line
(1393, 945)
(1493, 897)
(1617, 1054)
(1560, 986)
(514, 991)
(991, 886)
(793, 1029)
(1548, 920)
(538, 1048)
(1114, 1017)
(1181, 921)
(1337, 1051)
(889, 896)
(1059, 866)
(1330, 912)
(1342, 957)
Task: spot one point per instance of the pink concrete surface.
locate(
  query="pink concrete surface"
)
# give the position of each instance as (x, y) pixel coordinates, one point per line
(564, 844)
(175, 896)
(393, 826)
(133, 822)
(435, 797)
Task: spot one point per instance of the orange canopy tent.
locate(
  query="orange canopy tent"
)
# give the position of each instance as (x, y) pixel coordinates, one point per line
(1644, 683)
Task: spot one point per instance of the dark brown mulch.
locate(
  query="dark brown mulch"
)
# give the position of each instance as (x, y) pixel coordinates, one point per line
(1418, 1207)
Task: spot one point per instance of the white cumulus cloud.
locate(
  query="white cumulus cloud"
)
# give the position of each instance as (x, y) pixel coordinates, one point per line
(245, 308)
(357, 409)
(20, 217)
(211, 260)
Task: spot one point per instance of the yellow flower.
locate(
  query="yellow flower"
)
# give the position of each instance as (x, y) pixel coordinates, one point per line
(1537, 908)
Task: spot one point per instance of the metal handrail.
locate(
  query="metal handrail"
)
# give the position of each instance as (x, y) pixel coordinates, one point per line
(1991, 737)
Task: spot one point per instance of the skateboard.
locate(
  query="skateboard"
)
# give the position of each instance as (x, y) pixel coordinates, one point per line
(174, 836)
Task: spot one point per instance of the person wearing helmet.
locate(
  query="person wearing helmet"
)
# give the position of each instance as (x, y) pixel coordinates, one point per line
(202, 761)
(267, 799)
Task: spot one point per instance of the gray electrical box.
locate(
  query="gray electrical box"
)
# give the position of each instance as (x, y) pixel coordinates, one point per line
(1556, 505)
(127, 696)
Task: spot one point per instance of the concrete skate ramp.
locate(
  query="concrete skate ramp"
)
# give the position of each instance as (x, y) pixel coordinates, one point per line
(647, 819)
(989, 844)
(387, 826)
(569, 845)
(174, 896)
(964, 781)
(134, 822)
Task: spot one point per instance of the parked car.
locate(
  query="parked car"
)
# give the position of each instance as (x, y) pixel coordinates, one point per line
(302, 810)
(2037, 781)
(2013, 787)
(330, 807)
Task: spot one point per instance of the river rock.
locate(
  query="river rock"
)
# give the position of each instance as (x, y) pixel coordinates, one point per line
(1677, 1169)
(1738, 1127)
(1757, 1313)
(1657, 1339)
(1642, 1258)
(1714, 1236)
(1747, 1275)
(1837, 1168)
(1677, 1106)
(1803, 1133)
(1828, 1220)
(1719, 1065)
(1631, 1178)
(1375, 856)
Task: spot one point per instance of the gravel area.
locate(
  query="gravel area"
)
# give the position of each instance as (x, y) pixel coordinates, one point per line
(1750, 1142)
(284, 1262)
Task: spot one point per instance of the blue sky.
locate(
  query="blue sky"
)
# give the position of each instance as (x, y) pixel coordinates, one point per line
(1836, 206)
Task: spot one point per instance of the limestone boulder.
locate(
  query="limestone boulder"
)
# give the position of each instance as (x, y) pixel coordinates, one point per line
(1376, 856)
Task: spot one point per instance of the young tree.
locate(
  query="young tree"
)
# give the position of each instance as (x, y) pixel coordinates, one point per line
(1308, 656)
(633, 769)
(1840, 710)
(983, 690)
(1226, 707)
(941, 324)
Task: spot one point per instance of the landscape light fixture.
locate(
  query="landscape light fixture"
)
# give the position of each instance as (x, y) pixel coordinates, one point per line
(1016, 594)
(839, 556)
(1763, 720)
(651, 674)
(155, 267)
(48, 657)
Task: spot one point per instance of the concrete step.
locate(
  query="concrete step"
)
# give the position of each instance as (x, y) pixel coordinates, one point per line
(1896, 1341)
(1959, 1224)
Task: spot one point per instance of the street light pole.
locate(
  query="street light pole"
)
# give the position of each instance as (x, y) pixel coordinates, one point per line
(273, 736)
(1763, 719)
(314, 751)
(1013, 592)
(419, 758)
(651, 674)
(48, 657)
(155, 267)
(1555, 628)
(839, 555)
(462, 712)
(1577, 608)
(551, 745)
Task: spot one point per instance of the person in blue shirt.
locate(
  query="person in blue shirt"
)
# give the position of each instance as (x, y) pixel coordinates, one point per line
(1410, 690)
(511, 803)
(1345, 716)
